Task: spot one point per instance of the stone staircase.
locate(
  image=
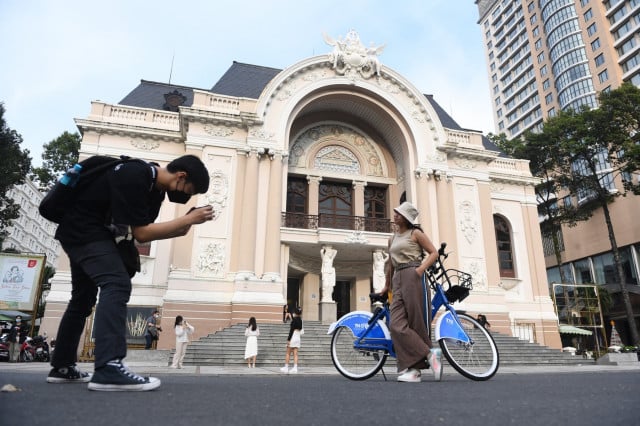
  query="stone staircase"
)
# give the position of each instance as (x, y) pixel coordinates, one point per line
(226, 347)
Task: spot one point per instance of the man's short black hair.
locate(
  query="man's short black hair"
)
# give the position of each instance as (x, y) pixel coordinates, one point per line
(196, 171)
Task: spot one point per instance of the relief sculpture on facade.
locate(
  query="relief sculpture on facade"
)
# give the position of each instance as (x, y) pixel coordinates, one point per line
(350, 57)
(218, 193)
(338, 135)
(468, 223)
(211, 260)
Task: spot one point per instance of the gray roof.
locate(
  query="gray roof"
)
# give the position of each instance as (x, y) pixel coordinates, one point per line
(150, 94)
(245, 81)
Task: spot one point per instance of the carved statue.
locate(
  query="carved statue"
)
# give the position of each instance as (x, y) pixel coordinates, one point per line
(328, 272)
(379, 261)
(350, 56)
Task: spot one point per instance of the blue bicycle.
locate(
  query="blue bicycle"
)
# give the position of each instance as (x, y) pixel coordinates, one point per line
(362, 342)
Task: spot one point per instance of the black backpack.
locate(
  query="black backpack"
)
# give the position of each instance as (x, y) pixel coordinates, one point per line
(61, 197)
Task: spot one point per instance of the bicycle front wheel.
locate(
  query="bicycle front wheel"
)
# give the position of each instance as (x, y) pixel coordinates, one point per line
(477, 360)
(354, 363)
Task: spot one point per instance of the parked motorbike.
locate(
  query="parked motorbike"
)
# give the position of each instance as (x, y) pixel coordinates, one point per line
(27, 351)
(35, 349)
(41, 348)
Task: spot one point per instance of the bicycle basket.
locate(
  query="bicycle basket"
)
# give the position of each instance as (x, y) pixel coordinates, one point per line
(458, 292)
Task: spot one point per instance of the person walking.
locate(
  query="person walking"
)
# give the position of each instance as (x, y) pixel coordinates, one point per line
(130, 196)
(183, 329)
(410, 315)
(293, 342)
(17, 335)
(152, 330)
(251, 348)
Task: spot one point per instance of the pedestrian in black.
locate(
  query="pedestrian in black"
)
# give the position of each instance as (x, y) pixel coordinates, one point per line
(17, 336)
(152, 330)
(130, 196)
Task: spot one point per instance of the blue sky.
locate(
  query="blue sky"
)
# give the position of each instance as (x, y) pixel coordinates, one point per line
(60, 55)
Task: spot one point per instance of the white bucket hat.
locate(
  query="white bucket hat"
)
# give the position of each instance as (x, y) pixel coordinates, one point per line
(408, 211)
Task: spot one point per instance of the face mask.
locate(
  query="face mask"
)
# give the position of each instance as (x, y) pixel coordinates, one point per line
(178, 197)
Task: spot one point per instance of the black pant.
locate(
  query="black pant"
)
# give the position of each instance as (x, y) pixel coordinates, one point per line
(149, 341)
(94, 265)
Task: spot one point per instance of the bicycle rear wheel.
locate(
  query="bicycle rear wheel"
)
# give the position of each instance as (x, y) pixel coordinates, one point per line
(354, 363)
(477, 360)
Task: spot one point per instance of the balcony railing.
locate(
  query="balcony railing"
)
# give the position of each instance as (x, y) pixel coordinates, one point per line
(353, 223)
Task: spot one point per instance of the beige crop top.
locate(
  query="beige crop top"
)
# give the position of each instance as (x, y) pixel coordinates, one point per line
(403, 249)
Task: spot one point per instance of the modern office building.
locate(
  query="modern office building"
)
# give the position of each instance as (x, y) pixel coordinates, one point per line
(549, 55)
(544, 56)
(312, 159)
(30, 232)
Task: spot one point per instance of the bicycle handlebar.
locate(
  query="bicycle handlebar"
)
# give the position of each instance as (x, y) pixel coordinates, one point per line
(375, 297)
(437, 274)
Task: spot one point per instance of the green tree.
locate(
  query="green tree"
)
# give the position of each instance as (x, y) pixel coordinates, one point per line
(15, 164)
(59, 155)
(586, 152)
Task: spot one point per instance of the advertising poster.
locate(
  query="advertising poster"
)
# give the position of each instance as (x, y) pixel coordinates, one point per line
(20, 276)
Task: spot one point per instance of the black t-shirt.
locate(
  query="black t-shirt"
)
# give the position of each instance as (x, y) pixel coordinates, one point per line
(296, 324)
(124, 195)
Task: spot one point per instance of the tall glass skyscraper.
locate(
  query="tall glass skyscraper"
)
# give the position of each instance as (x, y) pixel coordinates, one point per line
(544, 56)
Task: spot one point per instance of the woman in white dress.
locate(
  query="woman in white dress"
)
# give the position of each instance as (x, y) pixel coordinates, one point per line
(251, 349)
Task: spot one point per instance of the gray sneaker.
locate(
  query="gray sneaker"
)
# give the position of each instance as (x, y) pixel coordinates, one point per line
(115, 376)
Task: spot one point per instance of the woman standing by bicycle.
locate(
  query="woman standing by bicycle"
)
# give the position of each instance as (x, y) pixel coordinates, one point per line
(409, 308)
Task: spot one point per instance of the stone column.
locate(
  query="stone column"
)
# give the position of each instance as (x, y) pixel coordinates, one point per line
(236, 254)
(446, 212)
(358, 197)
(184, 247)
(274, 219)
(314, 188)
(248, 218)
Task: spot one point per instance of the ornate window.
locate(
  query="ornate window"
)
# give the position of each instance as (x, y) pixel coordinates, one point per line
(375, 202)
(504, 247)
(375, 209)
(335, 205)
(297, 193)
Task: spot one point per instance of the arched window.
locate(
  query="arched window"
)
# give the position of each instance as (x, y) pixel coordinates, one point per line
(504, 247)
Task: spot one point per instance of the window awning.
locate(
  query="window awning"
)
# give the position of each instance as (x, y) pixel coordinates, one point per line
(569, 329)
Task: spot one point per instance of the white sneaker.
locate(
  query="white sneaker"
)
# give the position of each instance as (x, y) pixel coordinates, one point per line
(294, 370)
(285, 369)
(435, 362)
(410, 375)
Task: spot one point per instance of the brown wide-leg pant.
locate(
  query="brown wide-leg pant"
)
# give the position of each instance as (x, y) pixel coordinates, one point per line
(408, 329)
